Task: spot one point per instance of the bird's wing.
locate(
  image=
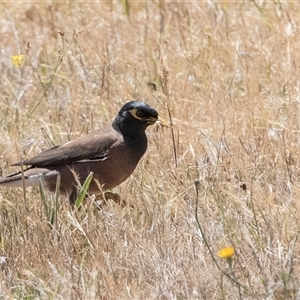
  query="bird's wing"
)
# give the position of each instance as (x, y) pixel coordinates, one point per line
(93, 146)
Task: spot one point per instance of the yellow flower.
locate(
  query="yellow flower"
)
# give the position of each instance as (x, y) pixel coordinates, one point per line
(226, 252)
(17, 60)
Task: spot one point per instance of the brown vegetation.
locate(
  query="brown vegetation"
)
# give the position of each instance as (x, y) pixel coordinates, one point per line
(227, 77)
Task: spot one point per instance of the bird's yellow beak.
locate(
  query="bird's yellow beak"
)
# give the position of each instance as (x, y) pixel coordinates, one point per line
(159, 121)
(162, 122)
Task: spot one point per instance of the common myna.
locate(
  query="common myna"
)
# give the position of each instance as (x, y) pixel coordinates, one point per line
(111, 153)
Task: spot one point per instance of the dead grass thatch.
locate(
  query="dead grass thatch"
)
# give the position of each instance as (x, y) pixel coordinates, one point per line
(226, 75)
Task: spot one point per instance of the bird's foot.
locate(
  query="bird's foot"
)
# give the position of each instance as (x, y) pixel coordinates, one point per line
(102, 199)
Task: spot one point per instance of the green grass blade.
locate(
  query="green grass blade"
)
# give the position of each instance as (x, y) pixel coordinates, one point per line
(43, 197)
(83, 190)
(127, 7)
(54, 208)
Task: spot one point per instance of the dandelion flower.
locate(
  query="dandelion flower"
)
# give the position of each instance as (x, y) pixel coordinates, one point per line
(226, 252)
(17, 60)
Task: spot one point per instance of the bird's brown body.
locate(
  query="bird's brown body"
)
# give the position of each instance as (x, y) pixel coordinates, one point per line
(111, 153)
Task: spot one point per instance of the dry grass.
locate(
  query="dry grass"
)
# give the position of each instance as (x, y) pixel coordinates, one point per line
(229, 74)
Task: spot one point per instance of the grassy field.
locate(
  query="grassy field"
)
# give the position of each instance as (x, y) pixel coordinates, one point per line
(227, 78)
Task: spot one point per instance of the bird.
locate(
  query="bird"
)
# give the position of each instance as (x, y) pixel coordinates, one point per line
(111, 153)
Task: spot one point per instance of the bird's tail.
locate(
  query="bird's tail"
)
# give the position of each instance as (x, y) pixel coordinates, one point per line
(30, 177)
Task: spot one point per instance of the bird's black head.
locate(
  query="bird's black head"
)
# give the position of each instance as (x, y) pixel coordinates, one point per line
(135, 116)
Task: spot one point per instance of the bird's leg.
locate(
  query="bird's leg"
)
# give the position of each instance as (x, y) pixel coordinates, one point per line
(73, 197)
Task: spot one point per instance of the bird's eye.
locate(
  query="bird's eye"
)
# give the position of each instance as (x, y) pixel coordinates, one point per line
(139, 114)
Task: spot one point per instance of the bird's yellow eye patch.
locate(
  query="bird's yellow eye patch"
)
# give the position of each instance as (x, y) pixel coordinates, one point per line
(136, 113)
